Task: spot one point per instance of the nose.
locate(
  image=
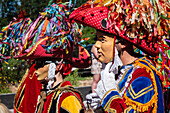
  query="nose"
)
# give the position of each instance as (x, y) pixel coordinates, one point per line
(36, 73)
(98, 44)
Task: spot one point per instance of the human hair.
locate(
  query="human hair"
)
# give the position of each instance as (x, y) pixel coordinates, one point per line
(3, 108)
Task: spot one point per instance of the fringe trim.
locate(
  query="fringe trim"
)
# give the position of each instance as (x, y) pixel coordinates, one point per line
(153, 102)
(142, 107)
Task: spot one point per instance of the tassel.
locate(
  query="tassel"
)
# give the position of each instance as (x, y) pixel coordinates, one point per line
(42, 100)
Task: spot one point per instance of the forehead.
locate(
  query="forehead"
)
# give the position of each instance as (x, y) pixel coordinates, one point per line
(101, 34)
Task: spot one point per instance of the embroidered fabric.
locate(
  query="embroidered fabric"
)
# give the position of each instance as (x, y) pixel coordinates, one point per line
(122, 72)
(57, 104)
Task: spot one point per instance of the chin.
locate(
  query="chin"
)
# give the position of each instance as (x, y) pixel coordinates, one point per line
(104, 60)
(40, 78)
(100, 59)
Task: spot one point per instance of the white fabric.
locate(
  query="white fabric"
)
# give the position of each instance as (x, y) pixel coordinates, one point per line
(108, 81)
(51, 75)
(105, 85)
(93, 100)
(117, 62)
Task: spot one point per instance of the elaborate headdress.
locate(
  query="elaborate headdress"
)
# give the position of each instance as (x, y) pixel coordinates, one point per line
(11, 36)
(51, 35)
(145, 23)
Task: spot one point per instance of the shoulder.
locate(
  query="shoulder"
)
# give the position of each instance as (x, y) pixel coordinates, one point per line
(140, 72)
(140, 93)
(71, 101)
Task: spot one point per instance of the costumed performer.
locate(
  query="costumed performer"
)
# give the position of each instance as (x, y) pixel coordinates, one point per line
(11, 44)
(53, 60)
(49, 39)
(137, 86)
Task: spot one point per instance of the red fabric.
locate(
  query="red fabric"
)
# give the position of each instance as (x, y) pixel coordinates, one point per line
(138, 73)
(83, 60)
(66, 69)
(47, 104)
(118, 105)
(97, 17)
(66, 83)
(32, 90)
(64, 95)
(37, 51)
(90, 16)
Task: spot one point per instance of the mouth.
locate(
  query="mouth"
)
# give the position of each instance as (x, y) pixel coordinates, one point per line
(99, 53)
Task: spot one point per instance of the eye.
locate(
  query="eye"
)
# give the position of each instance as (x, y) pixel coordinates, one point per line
(103, 39)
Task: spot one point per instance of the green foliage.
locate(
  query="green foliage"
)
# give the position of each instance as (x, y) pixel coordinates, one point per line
(8, 10)
(6, 90)
(12, 72)
(73, 77)
(33, 7)
(12, 8)
(89, 32)
(80, 2)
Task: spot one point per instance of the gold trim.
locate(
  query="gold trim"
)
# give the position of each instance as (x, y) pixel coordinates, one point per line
(127, 110)
(23, 79)
(17, 110)
(19, 87)
(122, 79)
(136, 96)
(139, 106)
(31, 76)
(106, 94)
(51, 103)
(139, 91)
(110, 100)
(34, 48)
(20, 101)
